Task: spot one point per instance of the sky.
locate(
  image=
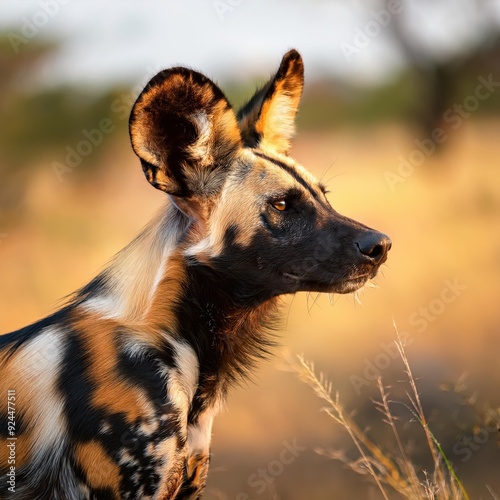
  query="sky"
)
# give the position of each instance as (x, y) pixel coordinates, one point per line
(107, 41)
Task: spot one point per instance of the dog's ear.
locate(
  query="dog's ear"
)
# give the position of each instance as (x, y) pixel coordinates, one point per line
(185, 133)
(268, 119)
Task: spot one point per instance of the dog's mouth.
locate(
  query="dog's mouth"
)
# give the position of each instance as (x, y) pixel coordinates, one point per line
(350, 285)
(347, 285)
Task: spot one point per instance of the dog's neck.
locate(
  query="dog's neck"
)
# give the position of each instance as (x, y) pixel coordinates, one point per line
(152, 286)
(227, 336)
(124, 291)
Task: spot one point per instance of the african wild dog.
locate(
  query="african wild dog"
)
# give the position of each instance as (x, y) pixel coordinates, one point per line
(116, 391)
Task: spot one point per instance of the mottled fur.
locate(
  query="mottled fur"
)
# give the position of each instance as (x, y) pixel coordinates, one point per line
(116, 392)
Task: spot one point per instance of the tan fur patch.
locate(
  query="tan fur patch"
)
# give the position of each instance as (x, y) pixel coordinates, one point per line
(197, 469)
(167, 294)
(276, 122)
(99, 469)
(110, 393)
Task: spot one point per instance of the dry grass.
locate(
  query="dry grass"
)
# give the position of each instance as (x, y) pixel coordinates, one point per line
(389, 470)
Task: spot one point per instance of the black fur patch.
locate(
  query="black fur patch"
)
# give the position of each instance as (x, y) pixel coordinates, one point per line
(112, 430)
(290, 171)
(11, 342)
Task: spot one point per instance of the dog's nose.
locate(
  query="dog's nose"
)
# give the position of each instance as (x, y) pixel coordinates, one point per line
(374, 245)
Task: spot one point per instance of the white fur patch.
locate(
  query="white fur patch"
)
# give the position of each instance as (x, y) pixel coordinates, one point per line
(183, 381)
(39, 363)
(188, 367)
(201, 149)
(200, 435)
(135, 272)
(106, 306)
(203, 247)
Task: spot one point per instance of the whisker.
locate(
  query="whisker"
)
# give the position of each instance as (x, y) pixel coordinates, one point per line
(328, 168)
(316, 299)
(289, 309)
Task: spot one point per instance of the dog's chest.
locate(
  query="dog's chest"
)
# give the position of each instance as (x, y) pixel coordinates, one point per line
(199, 433)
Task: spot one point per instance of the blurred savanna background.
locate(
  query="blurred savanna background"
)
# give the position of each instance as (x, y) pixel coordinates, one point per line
(400, 118)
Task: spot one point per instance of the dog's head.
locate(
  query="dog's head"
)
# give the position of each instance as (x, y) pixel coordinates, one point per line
(260, 220)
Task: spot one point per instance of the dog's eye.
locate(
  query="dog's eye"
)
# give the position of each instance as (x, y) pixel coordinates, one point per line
(280, 205)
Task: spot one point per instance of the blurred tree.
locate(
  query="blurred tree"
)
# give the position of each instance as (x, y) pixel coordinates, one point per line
(40, 123)
(13, 68)
(448, 58)
(14, 65)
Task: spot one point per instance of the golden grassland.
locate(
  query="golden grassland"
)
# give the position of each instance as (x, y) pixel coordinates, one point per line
(441, 285)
